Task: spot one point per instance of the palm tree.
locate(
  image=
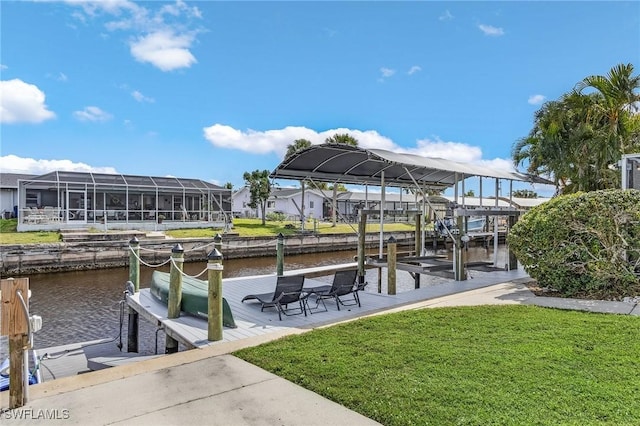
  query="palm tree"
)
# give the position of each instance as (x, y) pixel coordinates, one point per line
(296, 146)
(619, 100)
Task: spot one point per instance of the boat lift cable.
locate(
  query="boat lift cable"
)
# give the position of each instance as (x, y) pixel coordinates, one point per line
(425, 198)
(337, 210)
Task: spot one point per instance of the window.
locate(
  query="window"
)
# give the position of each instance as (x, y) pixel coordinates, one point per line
(310, 204)
(271, 204)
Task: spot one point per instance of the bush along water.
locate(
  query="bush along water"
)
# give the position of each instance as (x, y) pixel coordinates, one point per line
(584, 244)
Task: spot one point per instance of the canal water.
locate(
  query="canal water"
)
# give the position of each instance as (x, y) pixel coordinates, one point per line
(82, 306)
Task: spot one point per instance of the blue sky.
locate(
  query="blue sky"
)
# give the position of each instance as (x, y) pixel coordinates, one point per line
(210, 90)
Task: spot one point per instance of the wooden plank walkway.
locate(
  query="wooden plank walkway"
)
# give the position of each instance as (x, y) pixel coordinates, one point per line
(250, 321)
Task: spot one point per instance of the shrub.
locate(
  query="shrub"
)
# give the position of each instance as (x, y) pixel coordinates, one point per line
(276, 216)
(584, 244)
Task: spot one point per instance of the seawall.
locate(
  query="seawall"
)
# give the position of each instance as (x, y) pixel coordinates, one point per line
(88, 255)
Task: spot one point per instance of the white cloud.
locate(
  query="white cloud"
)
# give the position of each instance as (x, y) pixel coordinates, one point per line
(276, 142)
(536, 99)
(15, 164)
(387, 72)
(164, 50)
(141, 98)
(22, 102)
(162, 37)
(92, 113)
(3, 67)
(414, 69)
(491, 30)
(446, 16)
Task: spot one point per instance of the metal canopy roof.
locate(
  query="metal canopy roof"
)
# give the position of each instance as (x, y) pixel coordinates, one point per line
(352, 165)
(104, 179)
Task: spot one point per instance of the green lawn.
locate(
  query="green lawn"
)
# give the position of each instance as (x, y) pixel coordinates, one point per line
(242, 227)
(487, 365)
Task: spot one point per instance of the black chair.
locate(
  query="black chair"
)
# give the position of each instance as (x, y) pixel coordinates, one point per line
(288, 291)
(344, 285)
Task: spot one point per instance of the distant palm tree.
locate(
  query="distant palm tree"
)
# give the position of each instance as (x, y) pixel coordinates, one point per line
(296, 146)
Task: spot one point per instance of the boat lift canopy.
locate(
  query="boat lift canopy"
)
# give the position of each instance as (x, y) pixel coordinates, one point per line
(353, 165)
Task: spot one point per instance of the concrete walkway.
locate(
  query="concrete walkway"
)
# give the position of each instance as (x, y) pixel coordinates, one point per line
(208, 386)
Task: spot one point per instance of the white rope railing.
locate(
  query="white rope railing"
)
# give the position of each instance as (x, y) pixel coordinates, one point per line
(148, 264)
(184, 274)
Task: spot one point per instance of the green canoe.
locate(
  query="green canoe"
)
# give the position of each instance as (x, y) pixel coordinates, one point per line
(195, 296)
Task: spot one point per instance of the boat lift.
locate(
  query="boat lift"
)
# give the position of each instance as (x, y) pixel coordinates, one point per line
(340, 163)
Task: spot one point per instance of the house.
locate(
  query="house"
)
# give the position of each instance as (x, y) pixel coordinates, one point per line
(65, 200)
(9, 194)
(287, 201)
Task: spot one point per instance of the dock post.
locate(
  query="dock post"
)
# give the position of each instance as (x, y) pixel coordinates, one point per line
(362, 234)
(134, 263)
(391, 266)
(15, 324)
(134, 278)
(175, 293)
(418, 237)
(458, 253)
(214, 314)
(280, 255)
(513, 261)
(217, 242)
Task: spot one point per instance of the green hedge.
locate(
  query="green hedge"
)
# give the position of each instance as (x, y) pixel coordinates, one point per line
(584, 244)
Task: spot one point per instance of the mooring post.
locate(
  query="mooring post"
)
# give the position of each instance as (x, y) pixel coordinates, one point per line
(391, 265)
(513, 260)
(134, 278)
(418, 235)
(134, 263)
(280, 255)
(217, 242)
(214, 270)
(362, 235)
(175, 293)
(458, 258)
(15, 324)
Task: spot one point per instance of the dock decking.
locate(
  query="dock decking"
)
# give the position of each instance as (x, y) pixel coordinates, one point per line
(251, 322)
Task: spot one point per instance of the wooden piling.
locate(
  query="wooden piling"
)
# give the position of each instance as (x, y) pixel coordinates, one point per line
(175, 292)
(458, 258)
(280, 255)
(15, 324)
(418, 237)
(214, 314)
(391, 265)
(513, 261)
(362, 234)
(134, 277)
(134, 263)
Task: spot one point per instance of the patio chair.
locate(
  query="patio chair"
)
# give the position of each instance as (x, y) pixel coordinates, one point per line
(288, 291)
(344, 285)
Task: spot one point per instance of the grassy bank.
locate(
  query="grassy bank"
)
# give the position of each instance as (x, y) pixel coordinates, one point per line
(242, 227)
(506, 365)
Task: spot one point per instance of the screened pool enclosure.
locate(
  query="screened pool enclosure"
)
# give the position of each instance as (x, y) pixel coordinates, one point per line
(64, 200)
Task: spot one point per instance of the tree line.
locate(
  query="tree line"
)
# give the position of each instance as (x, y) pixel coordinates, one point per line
(578, 139)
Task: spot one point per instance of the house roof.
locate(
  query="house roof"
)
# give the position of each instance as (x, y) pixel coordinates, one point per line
(353, 165)
(10, 180)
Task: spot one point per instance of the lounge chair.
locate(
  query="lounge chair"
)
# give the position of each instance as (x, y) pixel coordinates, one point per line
(288, 291)
(344, 284)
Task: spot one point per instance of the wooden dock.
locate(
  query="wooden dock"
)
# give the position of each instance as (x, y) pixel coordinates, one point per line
(251, 322)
